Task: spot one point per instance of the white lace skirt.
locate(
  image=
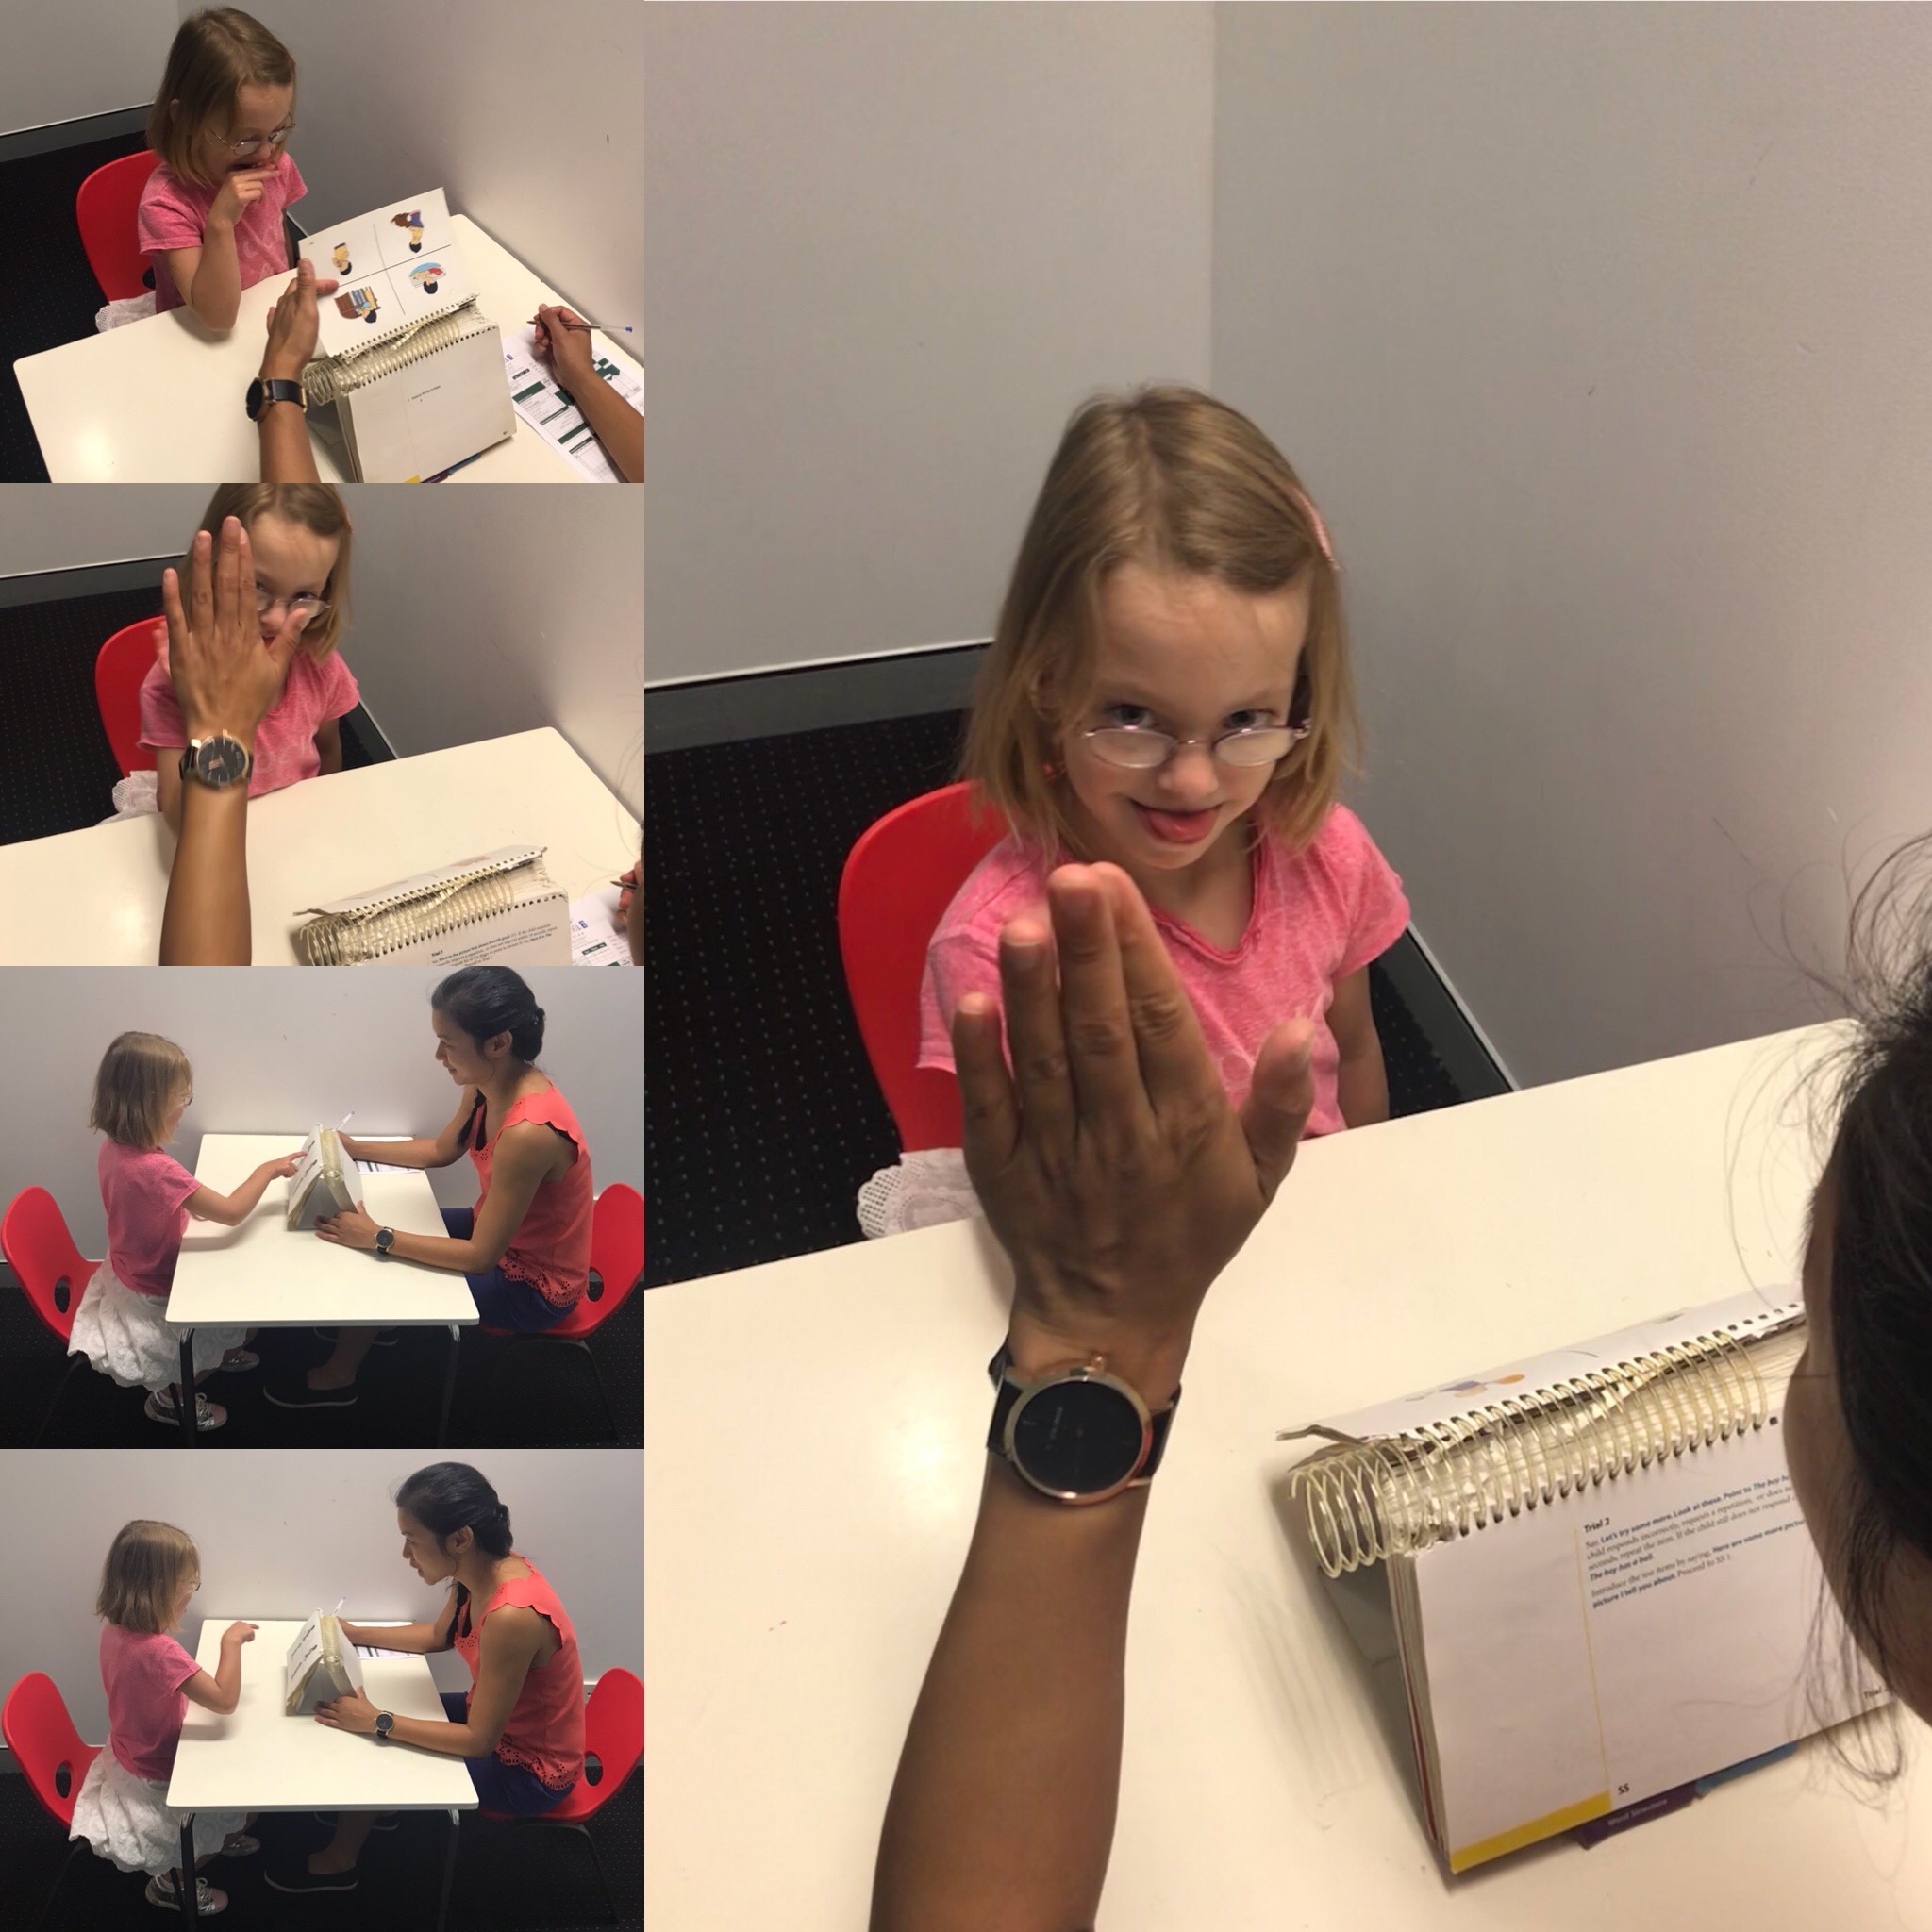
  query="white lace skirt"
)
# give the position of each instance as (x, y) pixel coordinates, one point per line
(135, 796)
(126, 1335)
(924, 1189)
(128, 1819)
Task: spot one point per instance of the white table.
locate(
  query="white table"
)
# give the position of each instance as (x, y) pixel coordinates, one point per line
(798, 1564)
(261, 1276)
(161, 400)
(95, 897)
(257, 1758)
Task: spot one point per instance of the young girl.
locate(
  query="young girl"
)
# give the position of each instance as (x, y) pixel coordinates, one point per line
(142, 1088)
(1168, 689)
(122, 1810)
(299, 536)
(212, 212)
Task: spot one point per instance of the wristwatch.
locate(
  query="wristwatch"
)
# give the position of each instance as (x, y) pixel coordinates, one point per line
(385, 1240)
(273, 388)
(1076, 1432)
(385, 1723)
(218, 760)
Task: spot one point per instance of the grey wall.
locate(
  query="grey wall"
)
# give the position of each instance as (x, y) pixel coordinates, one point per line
(911, 238)
(284, 1532)
(276, 1052)
(1599, 333)
(62, 63)
(527, 116)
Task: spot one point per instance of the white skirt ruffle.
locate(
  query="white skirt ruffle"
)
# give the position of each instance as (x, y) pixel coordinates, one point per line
(922, 1191)
(125, 309)
(137, 796)
(128, 1819)
(126, 1335)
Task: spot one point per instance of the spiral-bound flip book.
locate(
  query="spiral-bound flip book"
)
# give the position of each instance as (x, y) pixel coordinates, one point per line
(1602, 1589)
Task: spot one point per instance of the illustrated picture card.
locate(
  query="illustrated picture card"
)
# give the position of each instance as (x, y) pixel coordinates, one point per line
(427, 287)
(408, 231)
(343, 253)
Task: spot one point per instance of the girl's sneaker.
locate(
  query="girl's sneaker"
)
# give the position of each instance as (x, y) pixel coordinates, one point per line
(160, 1407)
(162, 1892)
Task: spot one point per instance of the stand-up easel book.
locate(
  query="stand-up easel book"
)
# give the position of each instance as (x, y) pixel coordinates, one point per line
(1602, 1589)
(413, 368)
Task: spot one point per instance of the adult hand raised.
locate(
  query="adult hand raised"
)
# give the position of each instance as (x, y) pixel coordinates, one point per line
(225, 677)
(1110, 1164)
(293, 324)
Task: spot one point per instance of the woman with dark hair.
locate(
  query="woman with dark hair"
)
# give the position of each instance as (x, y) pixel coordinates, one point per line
(525, 1245)
(520, 1728)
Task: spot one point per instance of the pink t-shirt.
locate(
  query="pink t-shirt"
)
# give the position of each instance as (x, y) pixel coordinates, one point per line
(285, 754)
(145, 1191)
(174, 214)
(143, 1672)
(1319, 915)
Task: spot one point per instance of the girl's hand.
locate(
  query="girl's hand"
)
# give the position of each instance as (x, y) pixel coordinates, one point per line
(281, 1170)
(351, 1228)
(236, 1635)
(238, 193)
(352, 1711)
(225, 677)
(566, 349)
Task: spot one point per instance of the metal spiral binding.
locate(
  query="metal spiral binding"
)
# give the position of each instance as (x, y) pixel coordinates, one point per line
(329, 377)
(350, 939)
(1367, 1501)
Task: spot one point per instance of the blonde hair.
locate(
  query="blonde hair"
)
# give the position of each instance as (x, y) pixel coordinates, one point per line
(216, 53)
(142, 1575)
(1172, 480)
(138, 1078)
(319, 509)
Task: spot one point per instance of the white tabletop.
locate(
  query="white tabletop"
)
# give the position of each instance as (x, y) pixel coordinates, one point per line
(257, 1758)
(261, 1276)
(95, 897)
(799, 1561)
(161, 400)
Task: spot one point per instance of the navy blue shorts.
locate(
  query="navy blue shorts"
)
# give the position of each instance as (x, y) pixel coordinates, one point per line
(501, 1787)
(503, 1302)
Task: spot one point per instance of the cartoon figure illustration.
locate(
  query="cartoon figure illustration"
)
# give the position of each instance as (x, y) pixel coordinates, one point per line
(427, 274)
(342, 258)
(354, 302)
(412, 225)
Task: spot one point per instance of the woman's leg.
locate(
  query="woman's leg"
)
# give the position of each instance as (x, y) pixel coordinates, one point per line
(345, 1364)
(504, 1302)
(341, 1852)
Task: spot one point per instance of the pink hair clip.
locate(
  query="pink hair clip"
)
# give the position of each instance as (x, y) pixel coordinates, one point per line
(1314, 517)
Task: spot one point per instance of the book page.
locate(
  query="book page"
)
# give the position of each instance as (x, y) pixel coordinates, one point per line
(1622, 1642)
(303, 1653)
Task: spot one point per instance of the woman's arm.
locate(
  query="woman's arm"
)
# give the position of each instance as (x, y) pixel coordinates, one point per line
(328, 744)
(1361, 1083)
(419, 1638)
(443, 1151)
(523, 1162)
(168, 786)
(563, 341)
(287, 455)
(506, 1647)
(207, 920)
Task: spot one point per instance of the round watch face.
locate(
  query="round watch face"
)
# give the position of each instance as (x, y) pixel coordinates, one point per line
(220, 762)
(1076, 1437)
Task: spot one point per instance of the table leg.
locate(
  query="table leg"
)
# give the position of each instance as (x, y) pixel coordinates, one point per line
(190, 1890)
(449, 1873)
(187, 1404)
(449, 1385)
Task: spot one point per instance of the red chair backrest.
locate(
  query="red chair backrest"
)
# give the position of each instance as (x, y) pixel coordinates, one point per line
(103, 210)
(124, 659)
(617, 1243)
(898, 881)
(613, 1737)
(44, 1744)
(39, 1249)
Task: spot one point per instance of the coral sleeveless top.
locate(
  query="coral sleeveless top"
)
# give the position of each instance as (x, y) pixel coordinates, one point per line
(545, 1731)
(551, 1248)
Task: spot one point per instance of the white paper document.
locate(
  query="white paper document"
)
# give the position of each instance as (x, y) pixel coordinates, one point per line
(552, 411)
(596, 936)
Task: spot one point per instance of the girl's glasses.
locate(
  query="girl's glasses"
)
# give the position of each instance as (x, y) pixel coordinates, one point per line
(254, 143)
(1138, 749)
(313, 609)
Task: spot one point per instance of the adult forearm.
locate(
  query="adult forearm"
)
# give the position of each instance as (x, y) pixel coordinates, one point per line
(435, 1734)
(441, 1251)
(1002, 1813)
(391, 1153)
(205, 921)
(216, 296)
(419, 1638)
(619, 426)
(287, 453)
(1361, 1087)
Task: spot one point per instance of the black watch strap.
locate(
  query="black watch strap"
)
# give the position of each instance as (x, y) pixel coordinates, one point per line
(271, 388)
(1006, 1393)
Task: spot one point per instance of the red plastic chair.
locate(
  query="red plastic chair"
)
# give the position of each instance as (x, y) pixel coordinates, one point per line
(50, 1752)
(614, 1743)
(898, 881)
(51, 1271)
(617, 1265)
(103, 210)
(124, 661)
